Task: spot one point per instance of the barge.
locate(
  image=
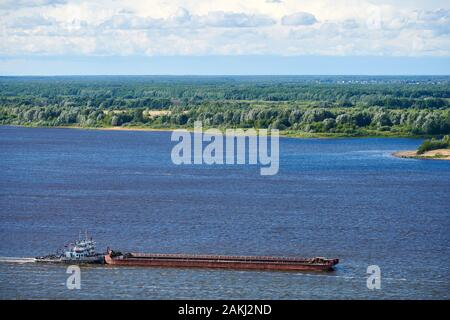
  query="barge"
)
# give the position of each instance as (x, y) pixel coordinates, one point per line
(219, 261)
(82, 251)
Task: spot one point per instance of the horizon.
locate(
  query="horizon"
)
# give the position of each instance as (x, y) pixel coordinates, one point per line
(231, 75)
(222, 75)
(250, 65)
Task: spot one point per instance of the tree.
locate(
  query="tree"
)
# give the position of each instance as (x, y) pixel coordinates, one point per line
(115, 121)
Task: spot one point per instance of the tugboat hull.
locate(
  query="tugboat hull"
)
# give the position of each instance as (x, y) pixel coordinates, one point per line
(99, 259)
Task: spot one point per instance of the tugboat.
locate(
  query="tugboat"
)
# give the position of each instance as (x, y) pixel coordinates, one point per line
(82, 251)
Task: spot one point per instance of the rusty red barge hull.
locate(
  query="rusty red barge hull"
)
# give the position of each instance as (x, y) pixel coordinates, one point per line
(221, 262)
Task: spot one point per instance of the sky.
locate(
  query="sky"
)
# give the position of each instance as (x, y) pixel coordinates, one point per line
(52, 37)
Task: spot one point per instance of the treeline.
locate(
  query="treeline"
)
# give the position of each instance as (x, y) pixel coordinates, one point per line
(348, 121)
(162, 92)
(344, 105)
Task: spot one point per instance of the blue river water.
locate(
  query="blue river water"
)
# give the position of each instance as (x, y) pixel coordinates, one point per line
(344, 198)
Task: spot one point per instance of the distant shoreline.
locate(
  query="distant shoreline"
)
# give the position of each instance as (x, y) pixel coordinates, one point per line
(283, 133)
(438, 154)
(116, 128)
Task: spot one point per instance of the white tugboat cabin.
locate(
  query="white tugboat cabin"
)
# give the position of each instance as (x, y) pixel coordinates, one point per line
(80, 252)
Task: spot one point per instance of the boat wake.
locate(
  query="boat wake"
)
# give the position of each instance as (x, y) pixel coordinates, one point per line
(16, 260)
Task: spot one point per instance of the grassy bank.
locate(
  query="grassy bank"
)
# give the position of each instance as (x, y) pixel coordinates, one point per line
(283, 133)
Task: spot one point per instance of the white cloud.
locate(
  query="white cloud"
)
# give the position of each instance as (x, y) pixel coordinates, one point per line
(15, 4)
(231, 27)
(182, 18)
(223, 19)
(438, 21)
(299, 19)
(29, 22)
(131, 22)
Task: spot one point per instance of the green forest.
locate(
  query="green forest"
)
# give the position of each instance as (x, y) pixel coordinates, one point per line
(298, 106)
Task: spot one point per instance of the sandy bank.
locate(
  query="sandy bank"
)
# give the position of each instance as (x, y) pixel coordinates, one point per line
(438, 154)
(287, 134)
(123, 129)
(283, 133)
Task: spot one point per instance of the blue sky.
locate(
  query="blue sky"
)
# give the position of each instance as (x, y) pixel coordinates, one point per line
(53, 37)
(224, 65)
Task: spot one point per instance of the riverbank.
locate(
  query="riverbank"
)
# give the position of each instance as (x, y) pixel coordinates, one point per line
(283, 133)
(438, 154)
